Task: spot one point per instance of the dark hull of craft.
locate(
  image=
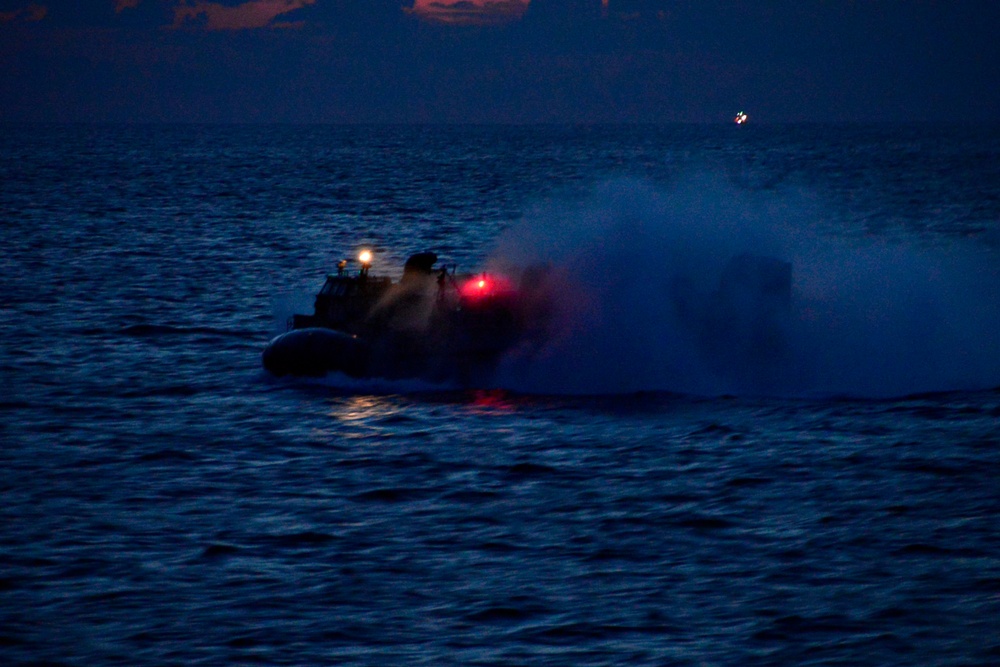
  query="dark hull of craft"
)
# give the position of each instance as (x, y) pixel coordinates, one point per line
(317, 351)
(314, 352)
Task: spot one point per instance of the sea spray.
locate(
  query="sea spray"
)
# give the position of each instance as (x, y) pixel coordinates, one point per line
(635, 274)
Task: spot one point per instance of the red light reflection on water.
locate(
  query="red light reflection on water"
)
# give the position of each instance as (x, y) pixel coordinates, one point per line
(492, 400)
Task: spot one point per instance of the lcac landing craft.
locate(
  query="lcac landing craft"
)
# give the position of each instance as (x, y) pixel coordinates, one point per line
(432, 324)
(437, 325)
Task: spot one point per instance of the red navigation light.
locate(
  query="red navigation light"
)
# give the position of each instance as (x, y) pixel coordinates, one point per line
(484, 285)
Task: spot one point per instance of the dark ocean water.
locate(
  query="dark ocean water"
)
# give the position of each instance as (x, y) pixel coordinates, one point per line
(617, 498)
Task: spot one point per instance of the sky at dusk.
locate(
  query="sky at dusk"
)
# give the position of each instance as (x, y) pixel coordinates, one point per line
(505, 61)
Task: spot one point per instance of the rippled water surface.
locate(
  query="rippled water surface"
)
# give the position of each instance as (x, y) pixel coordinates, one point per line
(167, 502)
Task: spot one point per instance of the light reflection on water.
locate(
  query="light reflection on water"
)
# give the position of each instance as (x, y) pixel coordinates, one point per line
(364, 408)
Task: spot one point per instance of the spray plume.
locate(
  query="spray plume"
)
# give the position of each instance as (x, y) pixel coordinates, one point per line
(644, 294)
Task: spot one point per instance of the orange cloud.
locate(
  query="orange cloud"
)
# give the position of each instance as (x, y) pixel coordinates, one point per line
(121, 5)
(469, 12)
(249, 15)
(28, 14)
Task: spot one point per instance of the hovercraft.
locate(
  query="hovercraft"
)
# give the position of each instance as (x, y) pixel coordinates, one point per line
(432, 324)
(437, 325)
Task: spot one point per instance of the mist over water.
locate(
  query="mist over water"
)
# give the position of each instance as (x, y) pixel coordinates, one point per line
(635, 275)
